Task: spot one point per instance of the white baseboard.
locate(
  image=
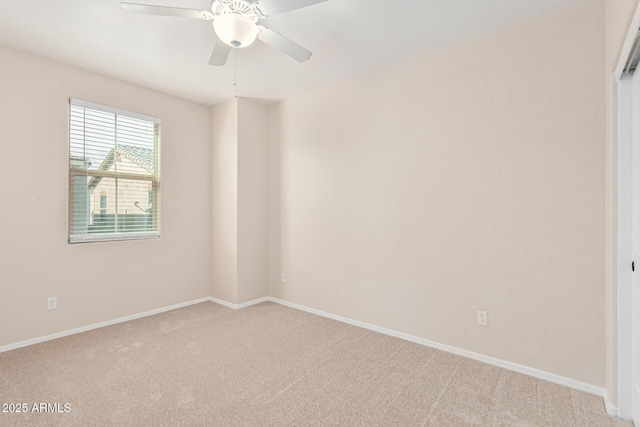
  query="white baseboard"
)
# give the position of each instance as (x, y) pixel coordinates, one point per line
(536, 373)
(127, 319)
(238, 306)
(99, 325)
(610, 407)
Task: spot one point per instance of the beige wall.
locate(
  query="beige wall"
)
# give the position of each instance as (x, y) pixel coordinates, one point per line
(252, 200)
(618, 19)
(239, 201)
(224, 201)
(274, 212)
(468, 178)
(98, 281)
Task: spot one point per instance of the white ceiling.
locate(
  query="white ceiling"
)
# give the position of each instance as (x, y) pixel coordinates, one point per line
(171, 55)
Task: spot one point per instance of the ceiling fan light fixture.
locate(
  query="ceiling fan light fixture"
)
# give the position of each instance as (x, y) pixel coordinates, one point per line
(235, 29)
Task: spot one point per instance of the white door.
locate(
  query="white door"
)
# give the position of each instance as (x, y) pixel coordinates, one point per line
(635, 329)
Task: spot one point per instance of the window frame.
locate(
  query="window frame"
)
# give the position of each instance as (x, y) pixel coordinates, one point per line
(74, 172)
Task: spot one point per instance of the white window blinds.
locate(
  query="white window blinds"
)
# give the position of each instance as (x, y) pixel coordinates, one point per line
(114, 186)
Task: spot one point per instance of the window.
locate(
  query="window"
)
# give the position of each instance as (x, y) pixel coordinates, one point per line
(114, 175)
(103, 205)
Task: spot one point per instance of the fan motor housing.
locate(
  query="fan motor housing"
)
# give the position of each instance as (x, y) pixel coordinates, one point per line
(243, 7)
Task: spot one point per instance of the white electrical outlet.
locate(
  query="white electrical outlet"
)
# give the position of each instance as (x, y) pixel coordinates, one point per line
(52, 303)
(283, 278)
(483, 318)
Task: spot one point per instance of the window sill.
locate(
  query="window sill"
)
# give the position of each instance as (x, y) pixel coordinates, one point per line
(111, 237)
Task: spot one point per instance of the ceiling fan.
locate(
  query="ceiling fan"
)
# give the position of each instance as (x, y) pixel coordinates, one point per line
(237, 24)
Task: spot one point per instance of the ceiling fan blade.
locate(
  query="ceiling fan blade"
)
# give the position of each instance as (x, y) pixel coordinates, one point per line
(220, 54)
(284, 45)
(276, 7)
(166, 11)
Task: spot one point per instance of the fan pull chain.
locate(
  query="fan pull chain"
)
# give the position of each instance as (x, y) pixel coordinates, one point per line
(235, 72)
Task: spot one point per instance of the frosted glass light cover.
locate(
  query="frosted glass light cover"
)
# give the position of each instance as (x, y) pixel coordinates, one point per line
(235, 30)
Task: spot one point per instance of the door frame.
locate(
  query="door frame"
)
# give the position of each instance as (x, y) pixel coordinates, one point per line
(623, 295)
(621, 185)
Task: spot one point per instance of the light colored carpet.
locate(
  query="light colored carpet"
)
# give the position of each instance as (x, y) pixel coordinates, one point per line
(272, 365)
